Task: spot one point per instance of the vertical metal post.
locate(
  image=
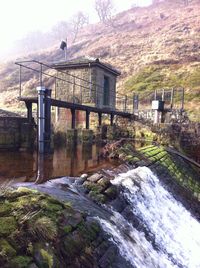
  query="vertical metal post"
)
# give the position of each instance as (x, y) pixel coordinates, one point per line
(100, 118)
(155, 94)
(90, 81)
(73, 112)
(172, 98)
(55, 88)
(81, 94)
(47, 120)
(163, 94)
(125, 103)
(40, 74)
(87, 123)
(182, 99)
(73, 89)
(41, 119)
(111, 119)
(136, 102)
(20, 81)
(29, 111)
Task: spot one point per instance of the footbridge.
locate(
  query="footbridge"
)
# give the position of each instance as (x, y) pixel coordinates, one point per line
(58, 87)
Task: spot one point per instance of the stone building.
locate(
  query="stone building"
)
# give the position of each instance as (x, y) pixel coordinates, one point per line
(87, 81)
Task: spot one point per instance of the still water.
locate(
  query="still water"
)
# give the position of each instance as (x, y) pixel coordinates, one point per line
(66, 161)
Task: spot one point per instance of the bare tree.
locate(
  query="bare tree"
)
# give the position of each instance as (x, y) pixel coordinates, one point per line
(78, 21)
(186, 2)
(60, 30)
(104, 9)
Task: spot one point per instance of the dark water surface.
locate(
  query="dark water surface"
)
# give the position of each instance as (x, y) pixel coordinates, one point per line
(67, 161)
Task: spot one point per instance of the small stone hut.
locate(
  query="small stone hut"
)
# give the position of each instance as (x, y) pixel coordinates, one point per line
(87, 81)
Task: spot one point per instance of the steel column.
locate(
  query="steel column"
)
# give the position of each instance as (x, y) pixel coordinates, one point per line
(73, 112)
(100, 118)
(111, 119)
(87, 123)
(41, 119)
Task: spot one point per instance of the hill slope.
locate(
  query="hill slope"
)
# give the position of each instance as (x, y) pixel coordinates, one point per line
(154, 47)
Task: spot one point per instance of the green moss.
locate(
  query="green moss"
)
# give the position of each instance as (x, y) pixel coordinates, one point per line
(43, 228)
(111, 192)
(20, 262)
(47, 258)
(94, 187)
(52, 207)
(67, 229)
(5, 208)
(7, 225)
(89, 231)
(96, 196)
(6, 249)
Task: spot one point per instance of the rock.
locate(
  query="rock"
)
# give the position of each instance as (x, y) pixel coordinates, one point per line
(111, 192)
(84, 176)
(20, 262)
(95, 177)
(108, 258)
(44, 256)
(7, 249)
(104, 182)
(97, 197)
(72, 219)
(7, 225)
(4, 208)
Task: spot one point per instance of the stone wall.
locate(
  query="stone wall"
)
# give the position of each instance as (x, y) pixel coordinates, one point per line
(178, 174)
(16, 133)
(86, 90)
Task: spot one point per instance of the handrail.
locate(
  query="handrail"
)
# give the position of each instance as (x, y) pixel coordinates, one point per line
(125, 102)
(20, 63)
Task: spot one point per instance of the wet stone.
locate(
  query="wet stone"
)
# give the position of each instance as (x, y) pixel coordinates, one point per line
(95, 177)
(72, 220)
(108, 258)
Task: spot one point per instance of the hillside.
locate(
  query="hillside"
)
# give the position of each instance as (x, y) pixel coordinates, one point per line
(154, 47)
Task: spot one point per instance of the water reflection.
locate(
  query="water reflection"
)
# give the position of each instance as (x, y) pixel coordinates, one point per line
(72, 160)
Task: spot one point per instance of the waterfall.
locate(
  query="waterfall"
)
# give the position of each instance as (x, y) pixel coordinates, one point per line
(175, 232)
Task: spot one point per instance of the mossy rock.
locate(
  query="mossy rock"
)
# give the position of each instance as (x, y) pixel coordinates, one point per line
(7, 225)
(111, 192)
(20, 262)
(97, 197)
(44, 256)
(6, 249)
(43, 228)
(5, 208)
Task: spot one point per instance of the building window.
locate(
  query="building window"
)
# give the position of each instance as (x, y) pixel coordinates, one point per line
(106, 91)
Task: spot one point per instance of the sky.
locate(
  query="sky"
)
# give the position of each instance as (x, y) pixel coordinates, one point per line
(18, 17)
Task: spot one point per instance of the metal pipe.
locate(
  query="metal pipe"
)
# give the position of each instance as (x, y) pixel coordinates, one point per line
(163, 94)
(41, 119)
(40, 75)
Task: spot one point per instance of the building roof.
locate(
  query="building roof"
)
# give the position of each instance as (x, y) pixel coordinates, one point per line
(83, 62)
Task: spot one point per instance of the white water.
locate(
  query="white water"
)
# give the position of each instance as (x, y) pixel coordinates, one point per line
(176, 232)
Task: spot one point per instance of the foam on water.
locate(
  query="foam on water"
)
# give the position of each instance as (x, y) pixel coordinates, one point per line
(176, 232)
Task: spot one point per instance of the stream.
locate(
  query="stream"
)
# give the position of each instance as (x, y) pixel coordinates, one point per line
(153, 231)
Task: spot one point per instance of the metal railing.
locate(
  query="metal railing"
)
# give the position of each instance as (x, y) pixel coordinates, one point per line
(173, 98)
(68, 87)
